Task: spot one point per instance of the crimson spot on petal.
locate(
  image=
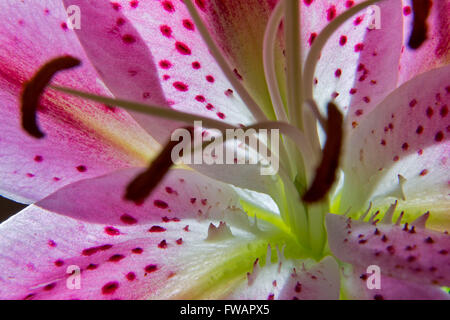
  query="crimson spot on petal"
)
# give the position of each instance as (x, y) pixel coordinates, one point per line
(116, 257)
(166, 31)
(128, 39)
(182, 48)
(180, 86)
(359, 47)
(110, 287)
(59, 263)
(156, 229)
(188, 24)
(162, 244)
(165, 64)
(50, 286)
(126, 218)
(349, 3)
(131, 276)
(331, 13)
(160, 204)
(82, 168)
(439, 136)
(137, 250)
(112, 231)
(312, 37)
(92, 266)
(151, 268)
(200, 98)
(168, 6)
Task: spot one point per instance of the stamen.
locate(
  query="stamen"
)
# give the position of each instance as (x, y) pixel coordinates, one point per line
(326, 172)
(153, 110)
(418, 35)
(142, 186)
(34, 88)
(222, 62)
(270, 38)
(293, 60)
(319, 43)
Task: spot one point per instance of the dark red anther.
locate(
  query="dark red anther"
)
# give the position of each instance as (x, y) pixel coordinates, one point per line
(142, 186)
(418, 35)
(34, 88)
(326, 172)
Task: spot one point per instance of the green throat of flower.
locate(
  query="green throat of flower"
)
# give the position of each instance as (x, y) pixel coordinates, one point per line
(307, 170)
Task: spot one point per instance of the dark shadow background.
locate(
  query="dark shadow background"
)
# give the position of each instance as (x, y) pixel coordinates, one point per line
(9, 208)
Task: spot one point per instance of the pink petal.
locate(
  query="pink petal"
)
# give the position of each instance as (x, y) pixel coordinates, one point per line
(238, 27)
(354, 283)
(290, 280)
(377, 72)
(83, 139)
(152, 53)
(159, 249)
(407, 135)
(435, 51)
(405, 252)
(357, 67)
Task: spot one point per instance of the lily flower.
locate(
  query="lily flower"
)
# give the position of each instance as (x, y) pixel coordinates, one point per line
(225, 231)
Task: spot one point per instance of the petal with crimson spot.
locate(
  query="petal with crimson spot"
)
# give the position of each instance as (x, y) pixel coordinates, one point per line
(354, 286)
(290, 280)
(408, 253)
(83, 139)
(355, 66)
(159, 255)
(407, 134)
(434, 52)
